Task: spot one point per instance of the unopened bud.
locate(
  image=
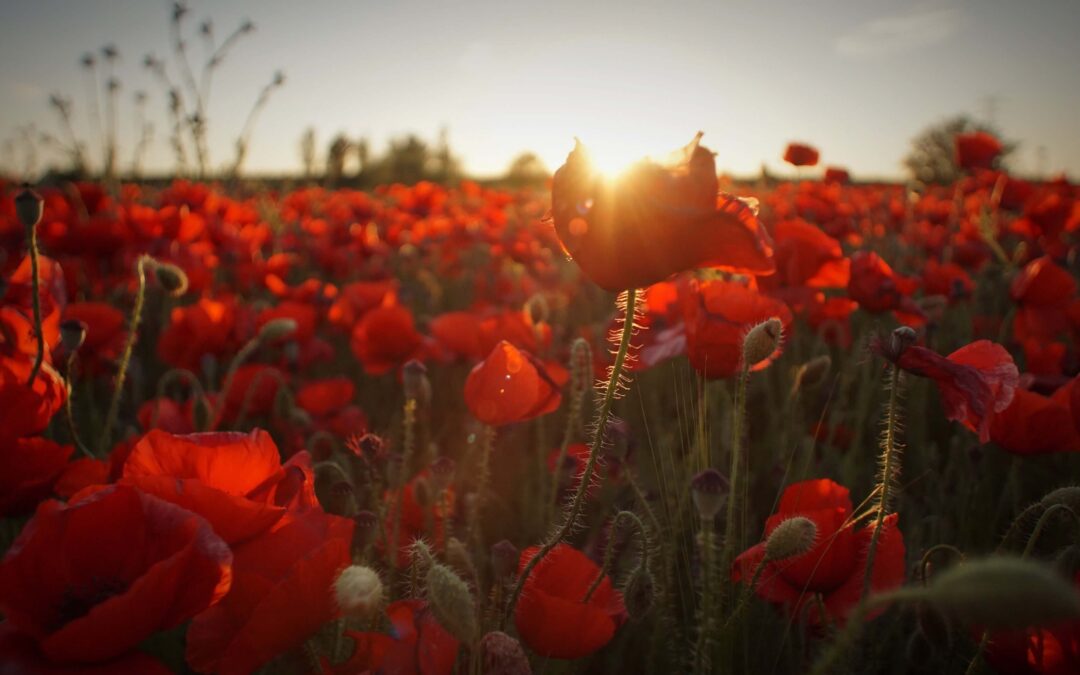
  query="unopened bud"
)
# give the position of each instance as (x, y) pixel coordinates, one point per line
(457, 556)
(452, 603)
(503, 655)
(72, 334)
(415, 381)
(277, 329)
(173, 279)
(793, 537)
(900, 339)
(359, 591)
(709, 491)
(504, 559)
(29, 207)
(639, 593)
(1003, 593)
(762, 341)
(367, 529)
(812, 374)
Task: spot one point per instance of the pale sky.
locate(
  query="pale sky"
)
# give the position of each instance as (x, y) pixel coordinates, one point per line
(856, 79)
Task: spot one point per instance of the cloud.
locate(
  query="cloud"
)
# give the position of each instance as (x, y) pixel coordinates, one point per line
(899, 33)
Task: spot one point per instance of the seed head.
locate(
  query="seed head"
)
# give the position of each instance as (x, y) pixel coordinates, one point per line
(29, 207)
(359, 591)
(709, 491)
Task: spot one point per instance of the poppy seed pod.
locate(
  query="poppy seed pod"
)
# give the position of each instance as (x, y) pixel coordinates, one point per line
(173, 279)
(791, 538)
(359, 591)
(452, 603)
(72, 334)
(504, 559)
(900, 339)
(367, 529)
(762, 340)
(503, 655)
(709, 491)
(276, 329)
(29, 207)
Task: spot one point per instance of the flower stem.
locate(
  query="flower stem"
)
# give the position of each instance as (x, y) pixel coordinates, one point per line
(31, 234)
(706, 633)
(105, 441)
(68, 414)
(889, 470)
(733, 534)
(574, 509)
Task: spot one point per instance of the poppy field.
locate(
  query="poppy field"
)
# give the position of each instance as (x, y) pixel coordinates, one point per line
(652, 422)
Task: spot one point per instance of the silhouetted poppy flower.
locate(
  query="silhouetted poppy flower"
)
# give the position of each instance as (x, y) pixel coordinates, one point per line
(385, 338)
(1035, 424)
(552, 616)
(835, 174)
(417, 644)
(876, 288)
(281, 595)
(801, 154)
(976, 381)
(977, 150)
(28, 469)
(509, 386)
(835, 566)
(19, 654)
(654, 221)
(234, 480)
(89, 581)
(718, 315)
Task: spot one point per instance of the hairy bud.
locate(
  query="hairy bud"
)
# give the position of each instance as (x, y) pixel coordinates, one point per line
(503, 655)
(359, 591)
(171, 278)
(762, 341)
(452, 603)
(709, 491)
(277, 329)
(72, 334)
(793, 537)
(504, 559)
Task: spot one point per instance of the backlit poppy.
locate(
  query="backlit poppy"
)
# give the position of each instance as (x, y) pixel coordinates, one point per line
(654, 221)
(509, 386)
(835, 566)
(552, 616)
(801, 154)
(91, 580)
(977, 150)
(1034, 424)
(385, 338)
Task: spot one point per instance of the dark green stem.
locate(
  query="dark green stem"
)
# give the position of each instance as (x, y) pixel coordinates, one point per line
(31, 234)
(105, 441)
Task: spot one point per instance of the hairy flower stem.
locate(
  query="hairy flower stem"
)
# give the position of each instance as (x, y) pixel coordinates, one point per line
(39, 333)
(733, 532)
(105, 441)
(68, 414)
(573, 419)
(706, 624)
(609, 550)
(574, 509)
(483, 476)
(890, 468)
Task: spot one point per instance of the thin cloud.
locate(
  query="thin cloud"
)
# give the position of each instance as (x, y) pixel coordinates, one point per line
(899, 33)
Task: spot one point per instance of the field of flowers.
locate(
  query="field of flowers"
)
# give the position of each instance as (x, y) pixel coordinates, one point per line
(658, 423)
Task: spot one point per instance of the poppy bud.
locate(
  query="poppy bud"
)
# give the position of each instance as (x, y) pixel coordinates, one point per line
(171, 278)
(504, 559)
(372, 447)
(709, 492)
(340, 499)
(442, 473)
(639, 593)
(367, 529)
(503, 655)
(812, 373)
(762, 341)
(359, 591)
(72, 334)
(1003, 592)
(276, 329)
(1069, 496)
(415, 381)
(29, 207)
(793, 537)
(457, 556)
(900, 339)
(452, 603)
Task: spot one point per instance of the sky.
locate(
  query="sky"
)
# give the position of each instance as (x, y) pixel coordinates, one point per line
(857, 79)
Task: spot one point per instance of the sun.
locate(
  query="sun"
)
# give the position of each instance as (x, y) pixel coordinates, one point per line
(612, 156)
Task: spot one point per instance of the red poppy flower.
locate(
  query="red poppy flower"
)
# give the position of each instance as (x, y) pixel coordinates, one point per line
(835, 566)
(1037, 651)
(305, 316)
(105, 333)
(877, 288)
(51, 293)
(324, 397)
(234, 480)
(977, 150)
(654, 221)
(208, 327)
(415, 518)
(510, 386)
(385, 338)
(28, 469)
(417, 644)
(253, 390)
(91, 580)
(552, 616)
(459, 334)
(20, 654)
(80, 474)
(1042, 283)
(801, 154)
(167, 415)
(281, 595)
(805, 255)
(947, 279)
(718, 316)
(1035, 424)
(27, 410)
(976, 381)
(835, 174)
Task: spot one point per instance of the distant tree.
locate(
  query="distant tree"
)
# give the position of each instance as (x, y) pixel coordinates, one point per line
(363, 157)
(335, 159)
(932, 158)
(307, 152)
(409, 160)
(527, 169)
